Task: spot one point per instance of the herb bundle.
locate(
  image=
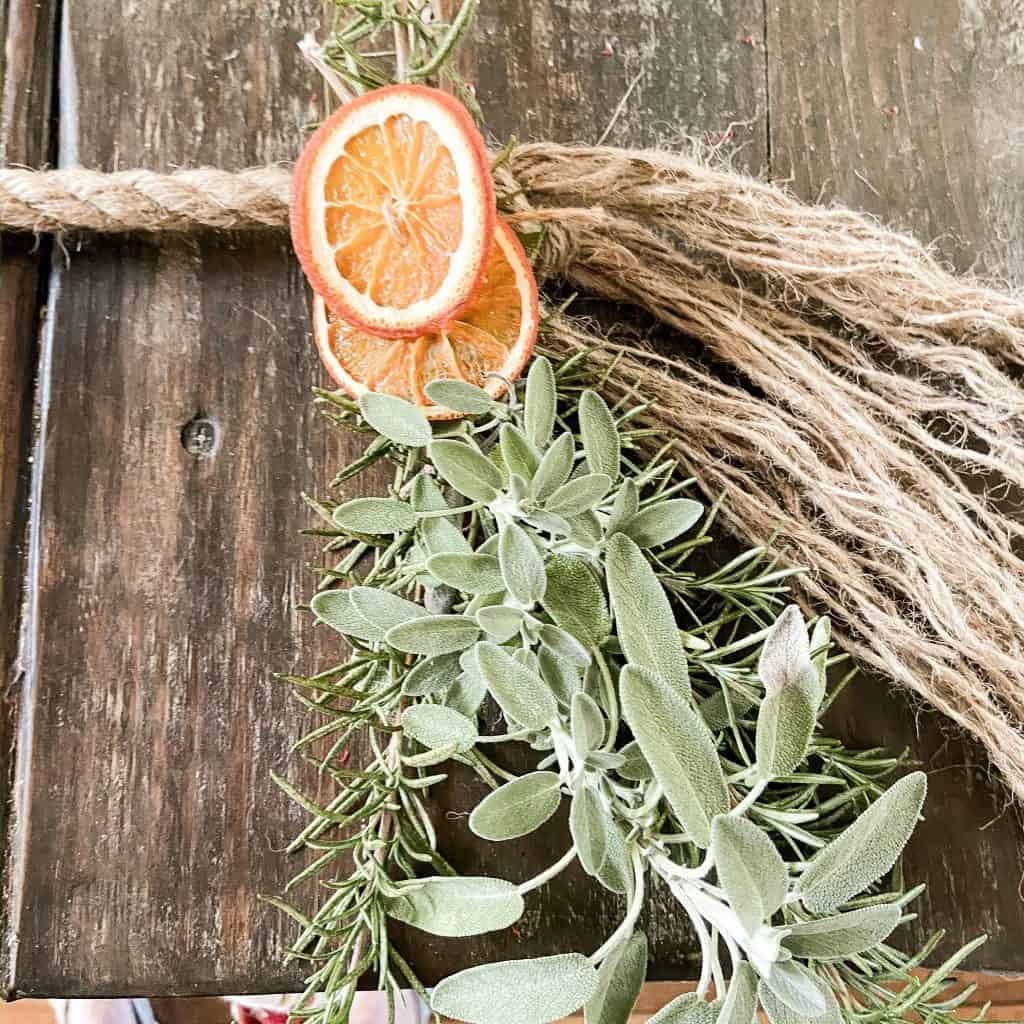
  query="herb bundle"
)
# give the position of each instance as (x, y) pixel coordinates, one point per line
(541, 554)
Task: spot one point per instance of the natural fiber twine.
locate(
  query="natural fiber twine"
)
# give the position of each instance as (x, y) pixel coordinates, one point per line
(855, 398)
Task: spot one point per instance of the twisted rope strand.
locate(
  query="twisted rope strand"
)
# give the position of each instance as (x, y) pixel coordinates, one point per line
(857, 397)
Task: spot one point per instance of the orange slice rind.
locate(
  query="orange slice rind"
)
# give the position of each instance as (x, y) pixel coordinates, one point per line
(393, 210)
(488, 343)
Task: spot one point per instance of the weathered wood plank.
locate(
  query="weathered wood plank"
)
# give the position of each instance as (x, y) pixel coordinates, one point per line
(168, 571)
(25, 102)
(915, 112)
(167, 581)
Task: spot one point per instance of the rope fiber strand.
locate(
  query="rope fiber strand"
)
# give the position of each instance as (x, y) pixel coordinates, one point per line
(857, 399)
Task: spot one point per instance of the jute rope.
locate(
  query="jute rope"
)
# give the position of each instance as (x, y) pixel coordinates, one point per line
(852, 395)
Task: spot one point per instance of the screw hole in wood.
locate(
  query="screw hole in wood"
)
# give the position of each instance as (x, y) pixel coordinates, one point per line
(199, 437)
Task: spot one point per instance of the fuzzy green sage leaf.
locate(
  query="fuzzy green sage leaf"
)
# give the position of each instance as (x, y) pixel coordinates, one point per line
(679, 748)
(525, 991)
(457, 906)
(647, 628)
(619, 982)
(395, 418)
(600, 435)
(433, 635)
(435, 726)
(469, 472)
(867, 850)
(375, 516)
(521, 693)
(517, 808)
(460, 396)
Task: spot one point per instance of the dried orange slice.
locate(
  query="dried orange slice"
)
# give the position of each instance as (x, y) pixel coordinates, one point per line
(393, 209)
(494, 333)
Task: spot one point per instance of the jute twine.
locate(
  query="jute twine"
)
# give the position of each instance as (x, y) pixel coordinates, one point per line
(853, 398)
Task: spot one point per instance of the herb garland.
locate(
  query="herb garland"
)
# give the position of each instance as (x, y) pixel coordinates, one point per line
(540, 554)
(544, 553)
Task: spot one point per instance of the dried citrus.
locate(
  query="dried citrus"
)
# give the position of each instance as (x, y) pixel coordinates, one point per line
(493, 334)
(393, 209)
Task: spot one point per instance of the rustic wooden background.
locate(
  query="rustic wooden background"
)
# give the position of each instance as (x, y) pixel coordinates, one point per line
(155, 433)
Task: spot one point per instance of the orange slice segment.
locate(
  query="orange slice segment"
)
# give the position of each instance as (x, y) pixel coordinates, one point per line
(393, 210)
(493, 334)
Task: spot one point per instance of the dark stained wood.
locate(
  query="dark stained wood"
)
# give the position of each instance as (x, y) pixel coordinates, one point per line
(25, 103)
(167, 580)
(915, 112)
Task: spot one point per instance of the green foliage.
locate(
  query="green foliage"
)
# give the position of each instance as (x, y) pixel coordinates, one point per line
(546, 559)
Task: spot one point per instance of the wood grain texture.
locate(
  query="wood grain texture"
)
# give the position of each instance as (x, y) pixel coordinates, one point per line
(25, 107)
(166, 580)
(915, 112)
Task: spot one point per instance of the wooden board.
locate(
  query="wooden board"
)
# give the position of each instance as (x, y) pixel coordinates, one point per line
(167, 573)
(25, 107)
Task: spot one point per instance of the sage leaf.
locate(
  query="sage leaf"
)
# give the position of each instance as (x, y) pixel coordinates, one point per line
(433, 635)
(431, 676)
(785, 659)
(579, 495)
(382, 609)
(519, 691)
(740, 1005)
(517, 808)
(468, 573)
(522, 566)
(794, 985)
(500, 621)
(785, 724)
(518, 454)
(789, 712)
(425, 495)
(460, 396)
(589, 825)
(564, 644)
(525, 991)
(616, 874)
(441, 536)
(586, 529)
(821, 637)
(574, 598)
(398, 420)
(455, 907)
(842, 936)
(750, 870)
(434, 726)
(781, 1013)
(375, 516)
(688, 1008)
(600, 435)
(469, 472)
(634, 765)
(624, 507)
(560, 675)
(867, 850)
(663, 522)
(466, 694)
(715, 711)
(647, 629)
(554, 468)
(679, 748)
(587, 723)
(541, 402)
(334, 608)
(618, 983)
